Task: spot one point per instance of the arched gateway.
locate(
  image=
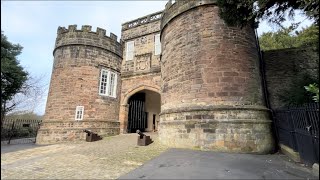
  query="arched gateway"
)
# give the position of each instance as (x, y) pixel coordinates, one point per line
(141, 109)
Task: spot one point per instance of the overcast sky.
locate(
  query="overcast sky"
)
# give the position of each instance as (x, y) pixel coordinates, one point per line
(33, 24)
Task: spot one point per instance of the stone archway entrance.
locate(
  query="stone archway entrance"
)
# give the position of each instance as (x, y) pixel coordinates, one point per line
(143, 108)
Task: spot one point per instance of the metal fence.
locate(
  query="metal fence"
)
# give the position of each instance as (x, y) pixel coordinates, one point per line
(298, 128)
(15, 131)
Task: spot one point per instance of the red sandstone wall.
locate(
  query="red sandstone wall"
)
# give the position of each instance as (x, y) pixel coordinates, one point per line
(206, 62)
(78, 59)
(211, 89)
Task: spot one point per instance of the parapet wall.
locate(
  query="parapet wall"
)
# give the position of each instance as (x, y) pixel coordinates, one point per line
(143, 20)
(85, 36)
(142, 27)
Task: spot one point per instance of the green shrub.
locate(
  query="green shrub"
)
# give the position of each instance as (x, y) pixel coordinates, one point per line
(296, 94)
(314, 89)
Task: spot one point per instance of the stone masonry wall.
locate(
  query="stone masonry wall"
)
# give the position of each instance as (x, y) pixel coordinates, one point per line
(79, 56)
(145, 61)
(211, 94)
(201, 62)
(75, 82)
(218, 129)
(283, 66)
(143, 72)
(133, 85)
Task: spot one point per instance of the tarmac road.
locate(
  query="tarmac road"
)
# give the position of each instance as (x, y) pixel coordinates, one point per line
(190, 164)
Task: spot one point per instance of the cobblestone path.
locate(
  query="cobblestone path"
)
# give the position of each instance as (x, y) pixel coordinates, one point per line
(105, 159)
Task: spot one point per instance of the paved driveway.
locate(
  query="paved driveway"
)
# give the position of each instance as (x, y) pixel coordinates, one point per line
(189, 164)
(119, 156)
(105, 159)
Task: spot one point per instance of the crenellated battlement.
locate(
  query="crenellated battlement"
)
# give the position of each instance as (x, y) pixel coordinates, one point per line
(86, 29)
(143, 20)
(85, 36)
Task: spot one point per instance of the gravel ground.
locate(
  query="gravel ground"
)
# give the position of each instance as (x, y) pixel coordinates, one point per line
(108, 158)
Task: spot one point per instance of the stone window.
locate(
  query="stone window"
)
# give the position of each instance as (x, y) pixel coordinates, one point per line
(108, 83)
(129, 50)
(79, 113)
(157, 44)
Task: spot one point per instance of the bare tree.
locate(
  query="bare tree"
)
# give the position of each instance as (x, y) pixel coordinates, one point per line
(28, 99)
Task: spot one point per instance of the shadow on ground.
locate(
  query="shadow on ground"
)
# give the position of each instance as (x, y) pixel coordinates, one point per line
(6, 148)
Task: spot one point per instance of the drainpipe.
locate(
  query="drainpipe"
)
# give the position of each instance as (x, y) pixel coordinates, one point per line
(265, 91)
(262, 72)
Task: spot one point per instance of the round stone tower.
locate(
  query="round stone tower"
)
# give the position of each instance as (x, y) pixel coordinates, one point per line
(211, 88)
(85, 86)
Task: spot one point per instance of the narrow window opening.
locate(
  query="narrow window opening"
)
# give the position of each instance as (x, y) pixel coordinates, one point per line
(129, 50)
(157, 45)
(79, 113)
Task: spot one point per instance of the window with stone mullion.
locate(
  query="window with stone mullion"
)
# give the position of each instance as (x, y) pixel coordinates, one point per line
(112, 84)
(104, 82)
(108, 83)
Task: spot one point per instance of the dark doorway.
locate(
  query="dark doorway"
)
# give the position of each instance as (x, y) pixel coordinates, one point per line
(154, 122)
(137, 117)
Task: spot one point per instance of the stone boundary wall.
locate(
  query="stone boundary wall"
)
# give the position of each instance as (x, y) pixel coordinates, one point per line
(283, 66)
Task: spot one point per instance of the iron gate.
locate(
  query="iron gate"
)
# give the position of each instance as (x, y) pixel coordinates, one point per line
(14, 131)
(298, 128)
(285, 130)
(137, 117)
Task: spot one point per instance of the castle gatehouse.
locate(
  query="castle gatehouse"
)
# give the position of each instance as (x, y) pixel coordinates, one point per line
(181, 71)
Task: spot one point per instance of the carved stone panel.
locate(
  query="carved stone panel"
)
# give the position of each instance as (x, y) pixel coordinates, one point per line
(143, 62)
